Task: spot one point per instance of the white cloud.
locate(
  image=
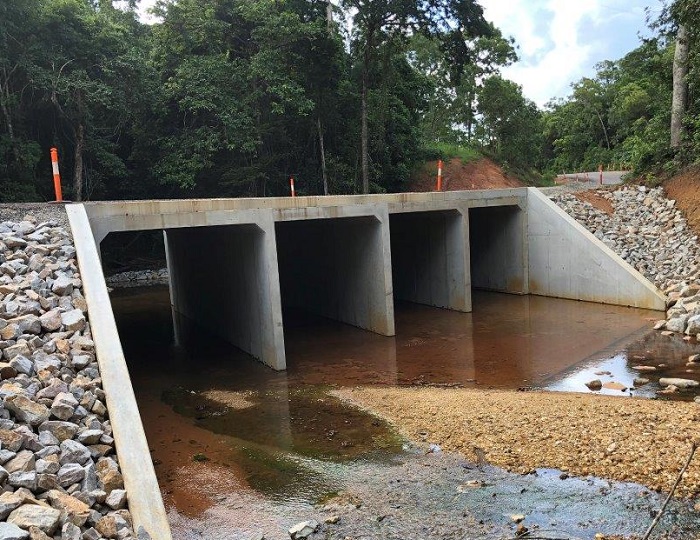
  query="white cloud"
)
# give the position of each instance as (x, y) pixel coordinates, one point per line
(515, 18)
(560, 41)
(144, 15)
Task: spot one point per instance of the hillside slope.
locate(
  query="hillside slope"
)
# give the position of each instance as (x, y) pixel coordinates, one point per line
(482, 173)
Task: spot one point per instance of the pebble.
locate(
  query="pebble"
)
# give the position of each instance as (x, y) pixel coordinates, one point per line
(138, 278)
(42, 517)
(303, 530)
(595, 385)
(10, 531)
(678, 383)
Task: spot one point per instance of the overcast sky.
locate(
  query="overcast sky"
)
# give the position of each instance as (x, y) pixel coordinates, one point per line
(560, 41)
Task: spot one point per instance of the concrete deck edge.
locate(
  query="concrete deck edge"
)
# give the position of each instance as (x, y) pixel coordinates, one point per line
(145, 501)
(396, 201)
(656, 299)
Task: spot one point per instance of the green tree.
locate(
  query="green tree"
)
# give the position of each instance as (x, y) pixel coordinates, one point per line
(510, 123)
(237, 85)
(18, 153)
(451, 112)
(617, 116)
(379, 23)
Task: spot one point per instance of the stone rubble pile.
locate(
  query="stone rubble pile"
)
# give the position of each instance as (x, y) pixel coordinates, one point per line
(138, 278)
(648, 232)
(59, 475)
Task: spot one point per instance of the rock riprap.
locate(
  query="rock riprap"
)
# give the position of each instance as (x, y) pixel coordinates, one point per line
(651, 234)
(138, 278)
(59, 473)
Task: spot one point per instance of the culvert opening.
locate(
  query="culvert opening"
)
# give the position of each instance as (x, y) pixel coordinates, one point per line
(220, 278)
(428, 259)
(132, 251)
(497, 240)
(335, 268)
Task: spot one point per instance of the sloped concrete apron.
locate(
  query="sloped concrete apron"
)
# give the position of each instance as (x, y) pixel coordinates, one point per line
(145, 501)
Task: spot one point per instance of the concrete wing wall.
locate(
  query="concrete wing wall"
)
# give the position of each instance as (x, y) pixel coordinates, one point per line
(145, 502)
(566, 261)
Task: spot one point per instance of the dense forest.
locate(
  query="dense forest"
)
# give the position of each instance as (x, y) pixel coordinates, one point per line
(232, 97)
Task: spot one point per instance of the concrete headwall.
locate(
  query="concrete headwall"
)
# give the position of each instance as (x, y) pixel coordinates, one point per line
(430, 259)
(498, 245)
(566, 261)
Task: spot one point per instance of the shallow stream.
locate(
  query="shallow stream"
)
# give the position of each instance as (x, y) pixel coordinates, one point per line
(241, 450)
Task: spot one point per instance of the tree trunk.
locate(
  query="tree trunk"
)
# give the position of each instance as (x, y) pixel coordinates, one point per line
(4, 100)
(323, 155)
(605, 130)
(470, 115)
(78, 162)
(680, 87)
(329, 16)
(365, 129)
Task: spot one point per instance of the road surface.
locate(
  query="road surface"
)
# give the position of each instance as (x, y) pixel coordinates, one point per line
(610, 178)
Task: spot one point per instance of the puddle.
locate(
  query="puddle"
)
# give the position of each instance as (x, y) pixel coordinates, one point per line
(668, 356)
(241, 449)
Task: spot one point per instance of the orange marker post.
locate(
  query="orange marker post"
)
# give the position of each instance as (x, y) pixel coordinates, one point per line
(56, 175)
(439, 176)
(600, 171)
(291, 186)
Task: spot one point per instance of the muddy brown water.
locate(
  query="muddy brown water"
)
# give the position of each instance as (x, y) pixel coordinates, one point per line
(240, 449)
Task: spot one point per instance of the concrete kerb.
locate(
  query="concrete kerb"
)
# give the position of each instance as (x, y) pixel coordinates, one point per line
(626, 286)
(145, 501)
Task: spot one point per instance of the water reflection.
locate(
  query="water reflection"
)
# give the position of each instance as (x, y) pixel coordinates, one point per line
(668, 356)
(508, 341)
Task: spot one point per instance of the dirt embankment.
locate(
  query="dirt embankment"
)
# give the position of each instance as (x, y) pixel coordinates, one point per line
(685, 190)
(597, 200)
(457, 176)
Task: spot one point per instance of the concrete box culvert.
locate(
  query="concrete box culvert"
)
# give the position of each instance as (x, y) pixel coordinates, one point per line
(440, 245)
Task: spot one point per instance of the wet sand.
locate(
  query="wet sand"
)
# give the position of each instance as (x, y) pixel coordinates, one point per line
(626, 439)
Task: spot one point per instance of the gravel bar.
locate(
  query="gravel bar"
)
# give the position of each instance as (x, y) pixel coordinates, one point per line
(626, 439)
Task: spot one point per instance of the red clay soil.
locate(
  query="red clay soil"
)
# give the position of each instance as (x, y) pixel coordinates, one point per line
(457, 176)
(599, 202)
(685, 190)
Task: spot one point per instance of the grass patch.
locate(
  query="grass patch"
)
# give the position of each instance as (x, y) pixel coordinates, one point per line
(447, 151)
